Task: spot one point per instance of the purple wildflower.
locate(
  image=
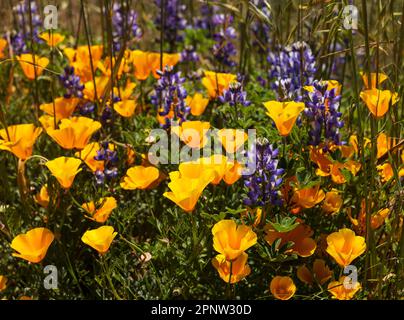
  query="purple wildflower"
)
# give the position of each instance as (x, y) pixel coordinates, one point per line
(235, 95)
(72, 84)
(110, 158)
(224, 49)
(123, 20)
(174, 20)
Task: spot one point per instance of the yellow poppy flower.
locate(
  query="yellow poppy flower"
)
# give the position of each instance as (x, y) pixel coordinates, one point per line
(216, 83)
(308, 197)
(379, 217)
(232, 240)
(332, 202)
(304, 246)
(139, 177)
(99, 239)
(19, 139)
(385, 171)
(218, 163)
(125, 108)
(193, 133)
(381, 77)
(320, 273)
(74, 133)
(344, 246)
(169, 59)
(282, 288)
(284, 114)
(88, 154)
(32, 65)
(378, 101)
(33, 245)
(233, 172)
(343, 289)
(239, 268)
(63, 107)
(51, 38)
(3, 283)
(3, 45)
(101, 210)
(197, 103)
(48, 122)
(141, 63)
(232, 139)
(185, 192)
(384, 144)
(100, 84)
(79, 59)
(42, 197)
(64, 169)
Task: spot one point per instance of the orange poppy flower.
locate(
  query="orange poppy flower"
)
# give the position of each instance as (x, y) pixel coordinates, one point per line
(32, 65)
(42, 197)
(101, 210)
(140, 177)
(197, 103)
(79, 59)
(308, 197)
(239, 268)
(216, 83)
(343, 289)
(64, 169)
(88, 154)
(232, 139)
(51, 38)
(320, 273)
(99, 239)
(63, 107)
(282, 288)
(378, 101)
(284, 114)
(381, 77)
(3, 45)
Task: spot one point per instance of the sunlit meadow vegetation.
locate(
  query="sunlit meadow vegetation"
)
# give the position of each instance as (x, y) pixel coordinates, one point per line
(320, 82)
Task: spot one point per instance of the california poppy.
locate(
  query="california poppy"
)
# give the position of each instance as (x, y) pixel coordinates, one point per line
(282, 288)
(100, 210)
(378, 101)
(32, 65)
(52, 38)
(197, 103)
(216, 83)
(99, 239)
(284, 114)
(139, 177)
(344, 288)
(233, 271)
(64, 169)
(62, 107)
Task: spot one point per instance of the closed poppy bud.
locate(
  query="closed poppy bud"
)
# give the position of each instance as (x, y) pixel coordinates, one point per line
(332, 202)
(305, 275)
(32, 65)
(379, 217)
(231, 240)
(232, 271)
(52, 38)
(282, 288)
(139, 177)
(344, 246)
(284, 114)
(33, 245)
(216, 83)
(101, 210)
(99, 239)
(321, 271)
(19, 139)
(197, 103)
(64, 169)
(3, 45)
(3, 283)
(42, 197)
(343, 289)
(378, 101)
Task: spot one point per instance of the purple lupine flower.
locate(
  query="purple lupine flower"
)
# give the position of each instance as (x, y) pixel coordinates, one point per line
(264, 184)
(235, 95)
(322, 111)
(86, 108)
(291, 68)
(72, 84)
(110, 158)
(260, 29)
(107, 115)
(189, 54)
(21, 39)
(170, 96)
(174, 20)
(224, 49)
(123, 20)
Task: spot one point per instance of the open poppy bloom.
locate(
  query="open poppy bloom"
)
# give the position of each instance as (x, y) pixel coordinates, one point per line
(101, 210)
(232, 139)
(378, 101)
(64, 169)
(88, 154)
(197, 103)
(239, 268)
(384, 144)
(381, 77)
(282, 288)
(139, 177)
(185, 191)
(42, 197)
(91, 93)
(193, 133)
(62, 107)
(344, 246)
(232, 240)
(145, 63)
(169, 59)
(320, 273)
(284, 114)
(216, 83)
(52, 38)
(233, 172)
(99, 239)
(218, 163)
(332, 202)
(308, 197)
(343, 289)
(126, 107)
(3, 283)
(19, 139)
(32, 65)
(74, 133)
(304, 246)
(79, 59)
(33, 245)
